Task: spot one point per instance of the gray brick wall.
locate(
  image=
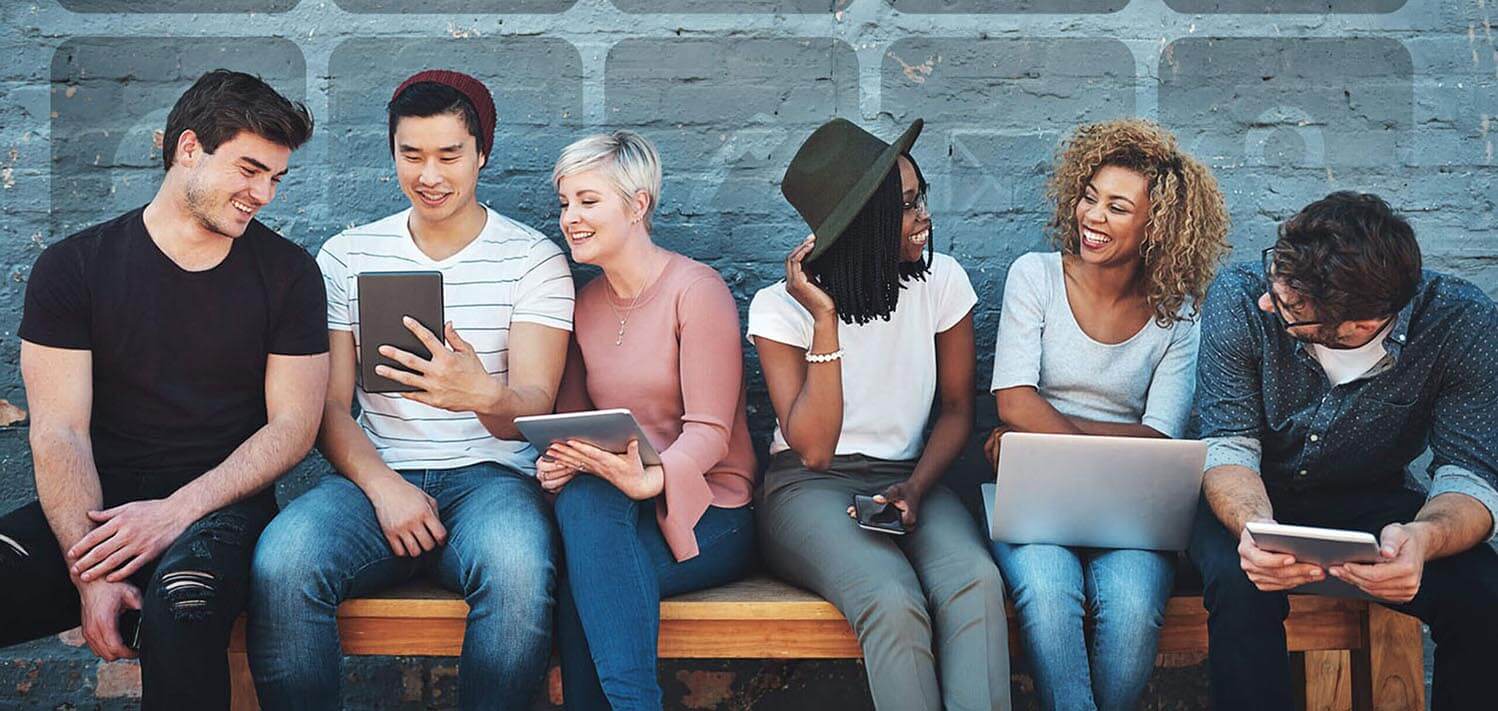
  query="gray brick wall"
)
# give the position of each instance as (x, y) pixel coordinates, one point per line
(1286, 99)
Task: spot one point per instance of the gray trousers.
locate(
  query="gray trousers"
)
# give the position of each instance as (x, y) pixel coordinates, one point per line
(928, 607)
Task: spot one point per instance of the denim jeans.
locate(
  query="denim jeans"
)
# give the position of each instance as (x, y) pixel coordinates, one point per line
(191, 595)
(618, 569)
(1246, 658)
(327, 546)
(1126, 592)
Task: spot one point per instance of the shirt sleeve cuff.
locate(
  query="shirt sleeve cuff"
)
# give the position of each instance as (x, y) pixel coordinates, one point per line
(1452, 479)
(1233, 451)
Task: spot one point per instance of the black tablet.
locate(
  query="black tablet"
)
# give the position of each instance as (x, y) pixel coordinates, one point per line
(384, 299)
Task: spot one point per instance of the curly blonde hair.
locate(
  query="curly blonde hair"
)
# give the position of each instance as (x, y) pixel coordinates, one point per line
(1185, 237)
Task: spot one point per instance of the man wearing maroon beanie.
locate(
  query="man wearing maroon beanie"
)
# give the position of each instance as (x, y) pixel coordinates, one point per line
(435, 482)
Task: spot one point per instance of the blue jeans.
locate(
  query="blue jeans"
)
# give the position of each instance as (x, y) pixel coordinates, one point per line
(327, 546)
(1126, 591)
(618, 569)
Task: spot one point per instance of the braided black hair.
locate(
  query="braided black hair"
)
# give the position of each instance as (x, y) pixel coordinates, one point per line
(862, 271)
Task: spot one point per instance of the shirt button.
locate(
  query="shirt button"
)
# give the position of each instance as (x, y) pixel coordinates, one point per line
(1315, 438)
(1301, 473)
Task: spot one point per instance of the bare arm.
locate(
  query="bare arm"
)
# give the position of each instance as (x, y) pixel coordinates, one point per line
(1237, 496)
(538, 354)
(135, 533)
(808, 397)
(340, 438)
(59, 391)
(1022, 409)
(294, 388)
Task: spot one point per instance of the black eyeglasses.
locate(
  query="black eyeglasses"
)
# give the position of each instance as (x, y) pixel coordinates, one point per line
(1279, 308)
(919, 204)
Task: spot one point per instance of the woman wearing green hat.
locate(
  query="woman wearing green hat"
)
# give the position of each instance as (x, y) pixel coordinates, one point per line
(867, 329)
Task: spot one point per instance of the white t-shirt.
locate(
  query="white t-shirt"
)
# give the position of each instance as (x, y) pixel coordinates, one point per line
(888, 367)
(509, 273)
(1344, 365)
(1149, 378)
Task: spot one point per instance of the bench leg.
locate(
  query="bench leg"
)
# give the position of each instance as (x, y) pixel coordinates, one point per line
(241, 684)
(1389, 674)
(1328, 680)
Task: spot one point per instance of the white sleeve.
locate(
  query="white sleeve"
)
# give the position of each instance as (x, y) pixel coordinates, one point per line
(1016, 353)
(1172, 388)
(773, 314)
(957, 297)
(332, 260)
(544, 295)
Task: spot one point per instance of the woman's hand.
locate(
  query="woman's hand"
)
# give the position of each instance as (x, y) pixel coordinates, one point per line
(991, 445)
(625, 471)
(800, 287)
(552, 474)
(905, 496)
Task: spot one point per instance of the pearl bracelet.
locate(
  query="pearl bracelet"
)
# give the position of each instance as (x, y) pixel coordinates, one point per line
(824, 357)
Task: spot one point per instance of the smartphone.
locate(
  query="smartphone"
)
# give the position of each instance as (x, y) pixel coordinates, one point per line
(128, 625)
(385, 298)
(870, 514)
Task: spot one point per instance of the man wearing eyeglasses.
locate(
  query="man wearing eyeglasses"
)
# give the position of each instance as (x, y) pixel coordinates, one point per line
(1323, 373)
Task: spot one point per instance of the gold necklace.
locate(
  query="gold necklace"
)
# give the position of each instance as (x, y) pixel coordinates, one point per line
(624, 319)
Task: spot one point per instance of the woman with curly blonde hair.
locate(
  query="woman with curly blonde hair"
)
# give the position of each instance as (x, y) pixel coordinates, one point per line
(1100, 338)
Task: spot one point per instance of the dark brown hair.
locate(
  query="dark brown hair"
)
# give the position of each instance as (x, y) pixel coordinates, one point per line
(221, 103)
(1350, 256)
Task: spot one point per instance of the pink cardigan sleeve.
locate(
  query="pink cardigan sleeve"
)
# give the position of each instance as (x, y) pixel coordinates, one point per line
(712, 375)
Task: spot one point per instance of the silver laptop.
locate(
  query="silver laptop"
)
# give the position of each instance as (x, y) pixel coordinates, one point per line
(1096, 492)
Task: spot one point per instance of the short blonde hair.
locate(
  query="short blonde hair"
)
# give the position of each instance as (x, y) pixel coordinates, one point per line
(629, 160)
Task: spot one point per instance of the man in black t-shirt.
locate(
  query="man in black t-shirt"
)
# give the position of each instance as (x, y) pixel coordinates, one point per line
(175, 360)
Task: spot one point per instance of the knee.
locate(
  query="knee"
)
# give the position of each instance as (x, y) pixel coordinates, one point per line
(1228, 594)
(586, 499)
(891, 608)
(286, 567)
(518, 573)
(1041, 598)
(1136, 606)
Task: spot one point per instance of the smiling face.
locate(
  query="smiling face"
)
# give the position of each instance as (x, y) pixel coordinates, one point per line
(596, 219)
(437, 163)
(915, 223)
(225, 189)
(1111, 216)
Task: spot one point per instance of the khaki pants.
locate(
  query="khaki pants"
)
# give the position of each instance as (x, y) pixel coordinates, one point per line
(928, 607)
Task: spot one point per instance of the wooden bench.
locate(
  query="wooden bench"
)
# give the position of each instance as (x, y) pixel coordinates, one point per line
(1354, 655)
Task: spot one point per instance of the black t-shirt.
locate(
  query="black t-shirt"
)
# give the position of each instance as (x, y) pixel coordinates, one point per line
(178, 357)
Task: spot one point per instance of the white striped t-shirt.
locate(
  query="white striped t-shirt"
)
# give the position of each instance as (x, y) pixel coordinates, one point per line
(509, 273)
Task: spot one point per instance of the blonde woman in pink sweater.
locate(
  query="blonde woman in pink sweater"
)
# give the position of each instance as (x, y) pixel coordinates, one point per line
(657, 333)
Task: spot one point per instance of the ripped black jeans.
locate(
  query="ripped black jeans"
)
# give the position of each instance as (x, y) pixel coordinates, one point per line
(192, 593)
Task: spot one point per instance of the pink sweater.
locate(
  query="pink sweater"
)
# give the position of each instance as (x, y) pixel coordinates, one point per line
(680, 370)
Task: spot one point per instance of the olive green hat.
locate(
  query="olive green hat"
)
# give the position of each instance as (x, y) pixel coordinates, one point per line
(834, 174)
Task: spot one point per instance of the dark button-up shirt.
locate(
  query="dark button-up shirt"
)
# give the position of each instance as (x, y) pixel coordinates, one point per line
(1266, 404)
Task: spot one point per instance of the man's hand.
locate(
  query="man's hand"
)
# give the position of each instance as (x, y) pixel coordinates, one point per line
(553, 475)
(129, 536)
(1271, 571)
(102, 602)
(408, 516)
(1397, 576)
(625, 471)
(453, 379)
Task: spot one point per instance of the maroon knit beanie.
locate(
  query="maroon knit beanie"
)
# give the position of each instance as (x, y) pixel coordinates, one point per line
(472, 89)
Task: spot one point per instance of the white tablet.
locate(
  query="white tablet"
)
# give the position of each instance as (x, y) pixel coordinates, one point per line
(1321, 546)
(606, 429)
